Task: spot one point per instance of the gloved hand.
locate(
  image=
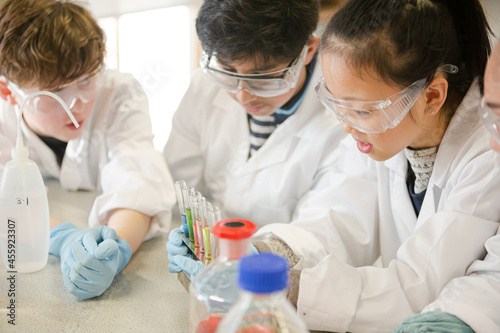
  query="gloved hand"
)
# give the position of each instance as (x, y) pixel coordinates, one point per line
(176, 247)
(66, 233)
(428, 322)
(190, 266)
(90, 258)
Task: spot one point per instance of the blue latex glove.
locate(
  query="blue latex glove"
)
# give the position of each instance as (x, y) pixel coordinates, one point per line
(176, 247)
(90, 258)
(430, 322)
(66, 233)
(190, 266)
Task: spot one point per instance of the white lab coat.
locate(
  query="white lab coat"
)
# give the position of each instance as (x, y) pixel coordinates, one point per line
(114, 155)
(372, 217)
(209, 144)
(475, 298)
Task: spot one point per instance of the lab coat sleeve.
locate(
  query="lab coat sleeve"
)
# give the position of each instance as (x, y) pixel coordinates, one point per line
(475, 298)
(183, 149)
(135, 175)
(325, 221)
(442, 248)
(371, 299)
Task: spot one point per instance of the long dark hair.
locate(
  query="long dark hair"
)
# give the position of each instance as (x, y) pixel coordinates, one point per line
(407, 40)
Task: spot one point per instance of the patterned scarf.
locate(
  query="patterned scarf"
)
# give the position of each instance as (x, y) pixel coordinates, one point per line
(422, 163)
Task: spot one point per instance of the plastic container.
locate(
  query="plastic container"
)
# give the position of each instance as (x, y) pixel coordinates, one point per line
(262, 305)
(24, 209)
(214, 291)
(24, 214)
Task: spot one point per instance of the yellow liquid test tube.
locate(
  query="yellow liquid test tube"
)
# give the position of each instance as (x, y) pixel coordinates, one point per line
(206, 242)
(194, 217)
(200, 222)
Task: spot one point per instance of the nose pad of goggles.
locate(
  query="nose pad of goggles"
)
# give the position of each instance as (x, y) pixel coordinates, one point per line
(74, 101)
(242, 85)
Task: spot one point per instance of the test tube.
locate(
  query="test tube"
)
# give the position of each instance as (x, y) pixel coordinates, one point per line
(189, 213)
(195, 215)
(185, 199)
(199, 222)
(203, 221)
(206, 231)
(214, 215)
(178, 185)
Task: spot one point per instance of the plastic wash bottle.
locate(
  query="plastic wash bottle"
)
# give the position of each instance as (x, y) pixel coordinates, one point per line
(24, 209)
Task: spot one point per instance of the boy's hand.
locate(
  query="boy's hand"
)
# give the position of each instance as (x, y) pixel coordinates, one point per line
(90, 258)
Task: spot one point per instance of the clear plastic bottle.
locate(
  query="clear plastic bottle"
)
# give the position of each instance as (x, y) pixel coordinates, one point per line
(24, 214)
(215, 289)
(262, 306)
(24, 208)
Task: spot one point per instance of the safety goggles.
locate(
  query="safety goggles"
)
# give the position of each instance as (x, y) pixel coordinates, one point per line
(491, 119)
(84, 89)
(270, 84)
(376, 116)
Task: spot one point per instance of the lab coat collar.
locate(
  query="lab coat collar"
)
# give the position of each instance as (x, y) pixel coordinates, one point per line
(401, 203)
(463, 124)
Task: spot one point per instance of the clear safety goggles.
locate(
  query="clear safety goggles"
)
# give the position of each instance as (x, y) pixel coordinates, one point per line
(376, 116)
(270, 84)
(84, 89)
(491, 119)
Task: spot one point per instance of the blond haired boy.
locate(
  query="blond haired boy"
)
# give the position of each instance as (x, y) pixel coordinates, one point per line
(57, 46)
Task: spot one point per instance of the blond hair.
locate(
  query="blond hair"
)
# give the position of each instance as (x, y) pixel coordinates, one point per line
(46, 43)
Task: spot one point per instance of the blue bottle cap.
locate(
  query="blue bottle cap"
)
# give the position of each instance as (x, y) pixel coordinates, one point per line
(263, 273)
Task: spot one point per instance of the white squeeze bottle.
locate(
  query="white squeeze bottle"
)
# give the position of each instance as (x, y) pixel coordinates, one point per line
(24, 209)
(262, 306)
(24, 212)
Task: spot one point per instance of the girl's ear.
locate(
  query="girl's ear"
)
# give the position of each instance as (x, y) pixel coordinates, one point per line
(436, 94)
(5, 93)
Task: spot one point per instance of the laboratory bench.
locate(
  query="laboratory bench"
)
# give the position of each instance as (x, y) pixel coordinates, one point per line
(144, 297)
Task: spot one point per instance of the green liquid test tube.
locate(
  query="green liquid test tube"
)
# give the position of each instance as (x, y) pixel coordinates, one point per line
(190, 224)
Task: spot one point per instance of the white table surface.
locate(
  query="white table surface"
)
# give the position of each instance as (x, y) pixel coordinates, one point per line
(144, 297)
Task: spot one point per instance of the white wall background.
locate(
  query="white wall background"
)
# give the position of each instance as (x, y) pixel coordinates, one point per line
(156, 42)
(492, 10)
(105, 8)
